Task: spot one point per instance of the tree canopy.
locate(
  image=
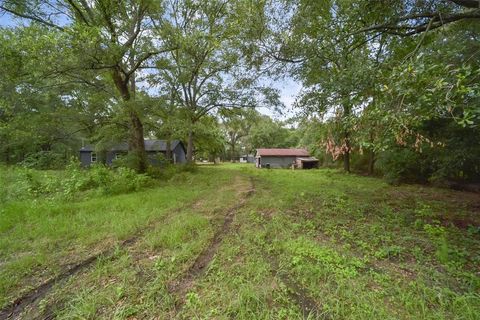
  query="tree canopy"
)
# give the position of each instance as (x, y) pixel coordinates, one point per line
(388, 87)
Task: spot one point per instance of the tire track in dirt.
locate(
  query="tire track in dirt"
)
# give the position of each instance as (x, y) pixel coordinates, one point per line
(187, 280)
(295, 290)
(31, 298)
(14, 310)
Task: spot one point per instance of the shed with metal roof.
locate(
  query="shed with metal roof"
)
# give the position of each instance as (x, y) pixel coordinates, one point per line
(284, 158)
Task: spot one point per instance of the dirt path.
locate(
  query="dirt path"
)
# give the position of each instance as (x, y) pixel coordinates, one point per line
(186, 281)
(15, 309)
(30, 300)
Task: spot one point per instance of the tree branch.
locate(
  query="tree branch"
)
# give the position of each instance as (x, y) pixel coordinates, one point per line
(33, 18)
(437, 20)
(474, 4)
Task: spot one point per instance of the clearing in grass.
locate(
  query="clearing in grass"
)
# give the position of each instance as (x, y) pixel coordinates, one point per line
(231, 241)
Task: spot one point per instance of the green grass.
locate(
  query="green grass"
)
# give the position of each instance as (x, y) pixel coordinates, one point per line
(353, 246)
(38, 238)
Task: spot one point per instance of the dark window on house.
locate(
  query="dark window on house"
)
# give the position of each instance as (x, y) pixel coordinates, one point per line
(94, 157)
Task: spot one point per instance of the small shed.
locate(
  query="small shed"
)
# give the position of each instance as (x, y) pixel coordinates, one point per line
(284, 158)
(307, 163)
(247, 158)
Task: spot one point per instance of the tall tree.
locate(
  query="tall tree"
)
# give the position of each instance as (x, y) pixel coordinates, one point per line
(109, 40)
(208, 70)
(333, 70)
(236, 124)
(269, 133)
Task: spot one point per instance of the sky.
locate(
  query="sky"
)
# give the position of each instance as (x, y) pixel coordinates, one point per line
(288, 87)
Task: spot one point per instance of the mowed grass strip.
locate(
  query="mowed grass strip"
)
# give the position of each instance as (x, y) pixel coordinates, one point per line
(41, 238)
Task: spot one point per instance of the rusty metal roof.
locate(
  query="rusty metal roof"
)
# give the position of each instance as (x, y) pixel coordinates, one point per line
(282, 153)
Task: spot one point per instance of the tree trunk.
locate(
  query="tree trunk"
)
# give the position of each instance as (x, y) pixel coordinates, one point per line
(346, 155)
(190, 146)
(371, 162)
(137, 143)
(232, 152)
(346, 161)
(168, 153)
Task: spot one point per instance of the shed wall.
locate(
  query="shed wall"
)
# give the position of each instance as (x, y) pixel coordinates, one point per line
(110, 157)
(180, 156)
(277, 162)
(85, 158)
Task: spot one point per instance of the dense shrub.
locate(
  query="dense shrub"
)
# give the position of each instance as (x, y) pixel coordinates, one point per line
(43, 160)
(169, 171)
(404, 165)
(128, 160)
(456, 160)
(103, 179)
(23, 183)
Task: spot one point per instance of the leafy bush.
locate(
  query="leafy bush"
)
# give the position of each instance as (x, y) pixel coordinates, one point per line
(43, 160)
(450, 155)
(404, 165)
(169, 171)
(104, 179)
(26, 183)
(126, 180)
(128, 160)
(23, 183)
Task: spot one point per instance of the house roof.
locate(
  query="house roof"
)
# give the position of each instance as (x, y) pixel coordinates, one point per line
(283, 153)
(150, 145)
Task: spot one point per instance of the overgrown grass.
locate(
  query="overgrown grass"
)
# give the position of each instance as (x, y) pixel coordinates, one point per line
(338, 246)
(41, 236)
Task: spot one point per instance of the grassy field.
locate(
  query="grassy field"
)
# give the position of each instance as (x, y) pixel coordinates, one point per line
(231, 241)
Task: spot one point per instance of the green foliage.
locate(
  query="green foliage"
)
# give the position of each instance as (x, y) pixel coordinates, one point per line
(127, 160)
(209, 139)
(43, 160)
(170, 171)
(269, 133)
(403, 165)
(25, 183)
(306, 252)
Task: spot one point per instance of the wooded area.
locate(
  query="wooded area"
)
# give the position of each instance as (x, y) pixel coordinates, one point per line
(388, 91)
(388, 87)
